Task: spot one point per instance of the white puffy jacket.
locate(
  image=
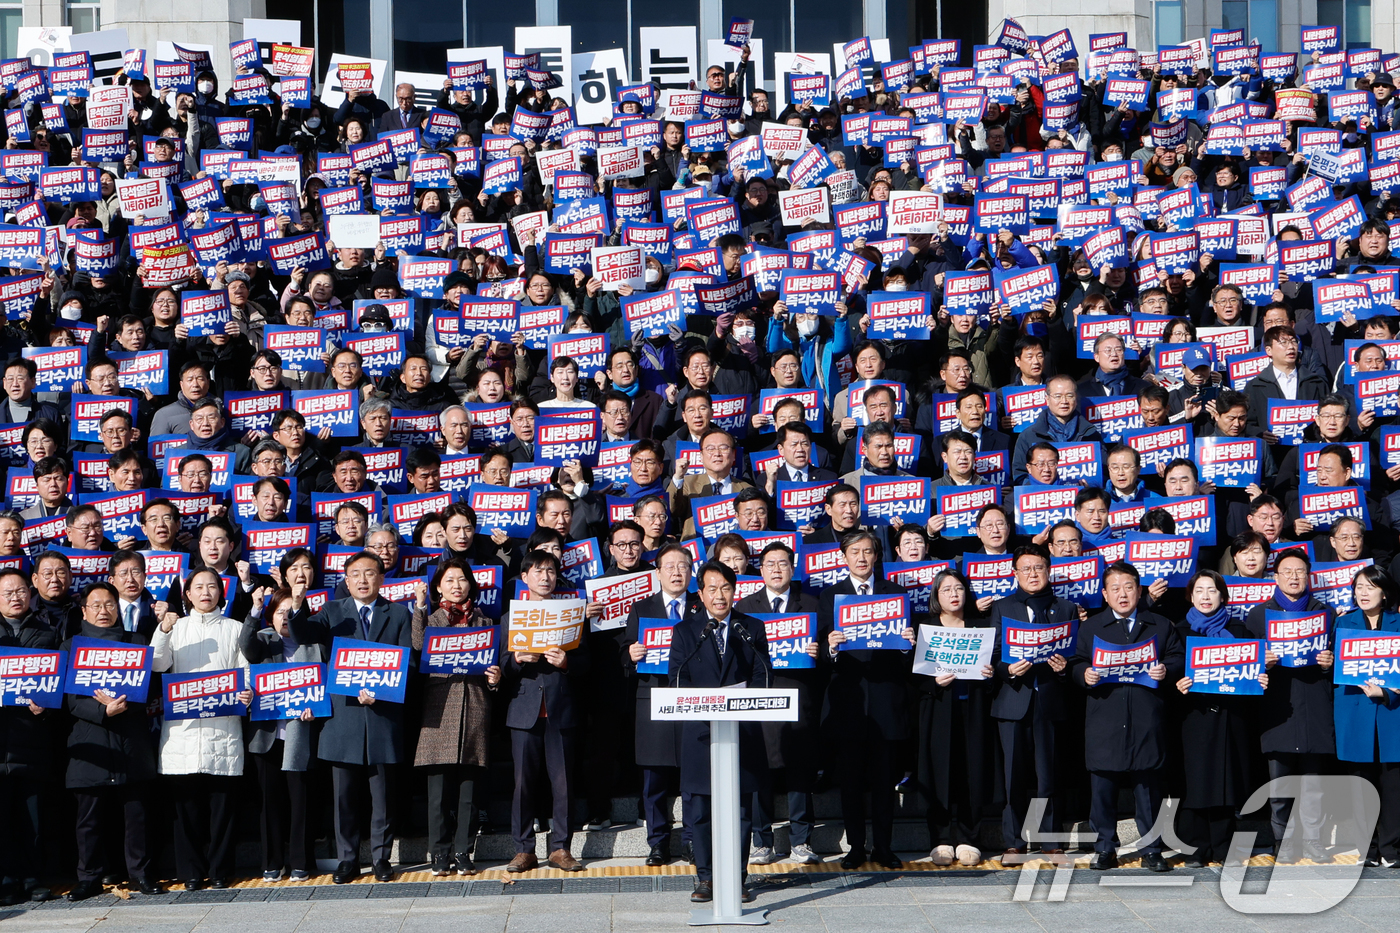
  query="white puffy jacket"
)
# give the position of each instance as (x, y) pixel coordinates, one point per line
(202, 641)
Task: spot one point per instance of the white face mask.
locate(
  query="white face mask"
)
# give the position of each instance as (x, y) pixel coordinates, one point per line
(256, 203)
(736, 127)
(745, 332)
(313, 123)
(580, 330)
(896, 287)
(806, 328)
(71, 312)
(206, 87)
(653, 276)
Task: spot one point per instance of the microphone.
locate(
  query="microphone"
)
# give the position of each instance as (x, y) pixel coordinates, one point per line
(743, 632)
(710, 629)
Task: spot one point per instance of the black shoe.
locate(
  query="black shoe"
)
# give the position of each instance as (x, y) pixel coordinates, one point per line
(1194, 860)
(465, 865)
(749, 895)
(853, 859)
(194, 884)
(688, 852)
(704, 892)
(383, 871)
(148, 887)
(1153, 861)
(345, 873)
(1314, 851)
(85, 889)
(1285, 853)
(35, 892)
(888, 860)
(658, 856)
(1104, 861)
(113, 878)
(218, 884)
(441, 866)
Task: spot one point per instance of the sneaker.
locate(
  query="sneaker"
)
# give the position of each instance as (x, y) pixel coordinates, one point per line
(272, 874)
(763, 855)
(968, 855)
(442, 866)
(598, 822)
(300, 874)
(942, 855)
(803, 855)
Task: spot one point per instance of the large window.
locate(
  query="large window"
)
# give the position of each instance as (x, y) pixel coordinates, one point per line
(1353, 17)
(597, 24)
(84, 15)
(491, 23)
(1170, 28)
(823, 23)
(343, 27)
(1258, 19)
(423, 32)
(772, 22)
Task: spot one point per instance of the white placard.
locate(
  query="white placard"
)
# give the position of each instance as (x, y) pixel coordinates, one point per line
(355, 231)
(270, 32)
(668, 57)
(800, 205)
(912, 212)
(621, 162)
(108, 106)
(426, 88)
(549, 161)
(707, 704)
(149, 197)
(38, 43)
(616, 266)
(597, 77)
(962, 652)
(332, 95)
(555, 45)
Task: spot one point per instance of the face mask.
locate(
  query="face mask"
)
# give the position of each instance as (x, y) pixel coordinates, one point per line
(580, 330)
(735, 127)
(744, 333)
(653, 276)
(1084, 275)
(71, 312)
(313, 123)
(806, 328)
(1037, 329)
(206, 87)
(256, 203)
(896, 287)
(373, 328)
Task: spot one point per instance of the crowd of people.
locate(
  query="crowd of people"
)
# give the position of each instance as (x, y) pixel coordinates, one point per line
(985, 410)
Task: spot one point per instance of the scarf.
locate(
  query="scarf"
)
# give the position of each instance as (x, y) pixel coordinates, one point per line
(1113, 382)
(1095, 540)
(1291, 605)
(1209, 626)
(871, 468)
(1039, 603)
(811, 349)
(220, 441)
(1061, 432)
(629, 391)
(651, 489)
(457, 613)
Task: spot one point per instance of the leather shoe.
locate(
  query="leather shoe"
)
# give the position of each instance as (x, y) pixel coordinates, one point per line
(564, 860)
(194, 884)
(704, 892)
(345, 873)
(113, 878)
(853, 860)
(85, 889)
(383, 871)
(688, 852)
(523, 861)
(1194, 860)
(1104, 861)
(148, 887)
(218, 884)
(749, 894)
(1314, 852)
(657, 857)
(888, 860)
(1053, 850)
(1153, 861)
(1013, 856)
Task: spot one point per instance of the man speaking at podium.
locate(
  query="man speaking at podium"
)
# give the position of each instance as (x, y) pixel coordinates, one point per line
(718, 647)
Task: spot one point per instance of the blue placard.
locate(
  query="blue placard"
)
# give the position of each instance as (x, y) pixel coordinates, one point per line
(1297, 638)
(873, 622)
(789, 634)
(101, 664)
(1125, 664)
(284, 691)
(1365, 657)
(30, 676)
(456, 650)
(1227, 666)
(380, 669)
(1026, 641)
(204, 695)
(655, 636)
(1229, 462)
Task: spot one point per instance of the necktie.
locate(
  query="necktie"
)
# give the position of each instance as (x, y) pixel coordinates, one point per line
(720, 632)
(675, 610)
(129, 617)
(799, 476)
(777, 604)
(403, 115)
(865, 589)
(716, 489)
(364, 621)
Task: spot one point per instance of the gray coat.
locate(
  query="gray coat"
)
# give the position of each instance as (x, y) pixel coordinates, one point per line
(263, 647)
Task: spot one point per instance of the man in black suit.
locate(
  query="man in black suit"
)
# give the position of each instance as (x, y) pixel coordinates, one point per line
(1124, 736)
(543, 715)
(363, 739)
(737, 653)
(791, 746)
(794, 464)
(658, 743)
(1112, 376)
(406, 115)
(868, 708)
(1030, 703)
(971, 407)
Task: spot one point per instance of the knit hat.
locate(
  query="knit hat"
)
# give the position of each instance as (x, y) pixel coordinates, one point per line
(384, 277)
(454, 279)
(1177, 175)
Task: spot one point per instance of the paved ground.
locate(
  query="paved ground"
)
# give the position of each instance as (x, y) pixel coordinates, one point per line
(629, 900)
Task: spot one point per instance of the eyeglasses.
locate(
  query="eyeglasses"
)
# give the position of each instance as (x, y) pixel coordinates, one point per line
(86, 526)
(195, 474)
(716, 448)
(1291, 574)
(267, 369)
(627, 545)
(271, 461)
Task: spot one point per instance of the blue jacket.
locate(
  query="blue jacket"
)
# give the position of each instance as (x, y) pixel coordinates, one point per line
(1360, 721)
(819, 355)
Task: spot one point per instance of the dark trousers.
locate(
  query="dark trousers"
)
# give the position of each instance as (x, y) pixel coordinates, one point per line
(541, 752)
(1385, 775)
(868, 761)
(451, 809)
(799, 817)
(658, 786)
(1028, 750)
(1209, 829)
(205, 831)
(607, 734)
(1284, 764)
(19, 828)
(696, 809)
(91, 806)
(286, 841)
(1103, 807)
(347, 780)
(955, 788)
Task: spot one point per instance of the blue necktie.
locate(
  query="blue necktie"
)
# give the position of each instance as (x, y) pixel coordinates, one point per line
(364, 621)
(675, 610)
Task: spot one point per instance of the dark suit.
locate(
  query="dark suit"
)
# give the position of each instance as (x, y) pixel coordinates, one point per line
(361, 742)
(867, 710)
(791, 746)
(543, 713)
(707, 667)
(815, 474)
(393, 120)
(657, 744)
(1029, 710)
(1124, 734)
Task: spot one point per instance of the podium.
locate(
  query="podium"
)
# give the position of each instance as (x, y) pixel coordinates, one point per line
(724, 708)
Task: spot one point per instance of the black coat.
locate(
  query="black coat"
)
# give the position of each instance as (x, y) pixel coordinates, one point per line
(63, 618)
(1013, 699)
(793, 744)
(106, 751)
(25, 738)
(869, 690)
(1217, 739)
(1296, 715)
(529, 686)
(705, 668)
(1124, 724)
(357, 734)
(657, 744)
(963, 707)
